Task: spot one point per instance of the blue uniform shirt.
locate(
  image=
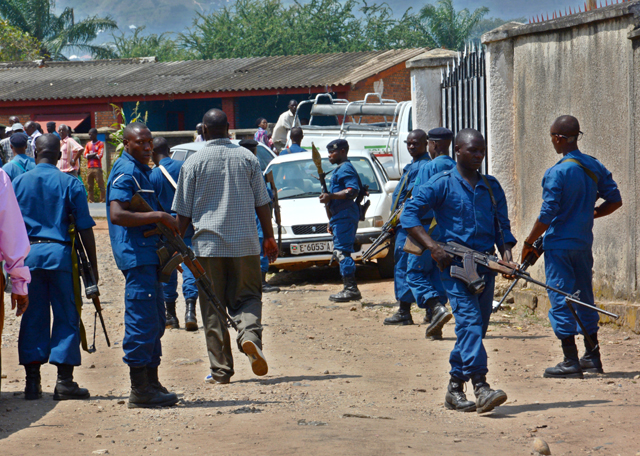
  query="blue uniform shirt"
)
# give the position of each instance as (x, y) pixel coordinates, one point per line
(130, 247)
(293, 149)
(343, 177)
(570, 196)
(164, 189)
(433, 167)
(465, 215)
(47, 197)
(19, 165)
(407, 181)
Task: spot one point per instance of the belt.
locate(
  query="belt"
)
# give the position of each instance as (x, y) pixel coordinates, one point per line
(45, 241)
(426, 221)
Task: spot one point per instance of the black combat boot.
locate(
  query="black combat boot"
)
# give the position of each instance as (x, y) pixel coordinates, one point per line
(66, 388)
(190, 322)
(439, 317)
(143, 395)
(570, 367)
(435, 335)
(486, 398)
(350, 291)
(455, 399)
(32, 389)
(154, 381)
(266, 288)
(402, 316)
(591, 361)
(172, 318)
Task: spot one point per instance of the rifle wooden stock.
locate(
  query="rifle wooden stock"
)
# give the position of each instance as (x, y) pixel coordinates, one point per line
(276, 209)
(138, 204)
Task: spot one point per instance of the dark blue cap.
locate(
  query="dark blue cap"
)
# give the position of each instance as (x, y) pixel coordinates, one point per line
(440, 134)
(248, 143)
(338, 144)
(19, 140)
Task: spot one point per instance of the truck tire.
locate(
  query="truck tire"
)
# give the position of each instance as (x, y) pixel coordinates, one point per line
(386, 265)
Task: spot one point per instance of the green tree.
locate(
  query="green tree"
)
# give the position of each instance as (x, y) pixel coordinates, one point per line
(486, 25)
(136, 44)
(447, 27)
(57, 33)
(251, 28)
(15, 45)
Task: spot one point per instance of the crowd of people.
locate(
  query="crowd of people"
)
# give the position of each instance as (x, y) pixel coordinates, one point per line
(219, 203)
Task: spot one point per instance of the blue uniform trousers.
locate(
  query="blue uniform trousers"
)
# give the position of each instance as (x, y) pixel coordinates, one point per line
(39, 342)
(264, 261)
(423, 277)
(570, 271)
(401, 258)
(189, 288)
(344, 225)
(144, 318)
(472, 313)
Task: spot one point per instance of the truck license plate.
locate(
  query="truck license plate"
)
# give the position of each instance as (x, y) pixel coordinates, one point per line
(311, 247)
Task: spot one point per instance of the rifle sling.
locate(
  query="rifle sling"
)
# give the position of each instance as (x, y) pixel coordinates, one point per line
(587, 171)
(77, 291)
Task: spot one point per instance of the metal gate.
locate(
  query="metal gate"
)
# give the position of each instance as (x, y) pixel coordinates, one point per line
(464, 94)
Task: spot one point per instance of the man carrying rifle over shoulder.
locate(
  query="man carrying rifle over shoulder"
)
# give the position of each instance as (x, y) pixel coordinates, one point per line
(136, 257)
(417, 147)
(471, 210)
(570, 190)
(220, 190)
(48, 198)
(423, 275)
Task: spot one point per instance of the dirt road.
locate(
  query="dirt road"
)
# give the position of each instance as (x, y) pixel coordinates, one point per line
(339, 383)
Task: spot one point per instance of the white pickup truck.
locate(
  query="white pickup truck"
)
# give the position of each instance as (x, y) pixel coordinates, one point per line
(375, 125)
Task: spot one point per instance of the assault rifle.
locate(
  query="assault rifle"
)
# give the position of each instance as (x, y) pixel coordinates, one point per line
(388, 230)
(276, 209)
(317, 160)
(529, 261)
(91, 289)
(175, 252)
(468, 272)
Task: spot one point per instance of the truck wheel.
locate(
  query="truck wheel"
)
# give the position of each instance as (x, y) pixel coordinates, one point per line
(386, 265)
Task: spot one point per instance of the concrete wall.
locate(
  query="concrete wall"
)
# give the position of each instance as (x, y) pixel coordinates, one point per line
(586, 65)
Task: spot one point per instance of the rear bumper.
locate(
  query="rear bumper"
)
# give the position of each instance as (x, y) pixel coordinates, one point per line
(362, 243)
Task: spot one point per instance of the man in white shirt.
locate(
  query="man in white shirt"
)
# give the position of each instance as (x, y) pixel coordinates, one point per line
(284, 125)
(30, 128)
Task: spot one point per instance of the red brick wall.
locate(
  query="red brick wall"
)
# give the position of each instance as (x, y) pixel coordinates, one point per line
(4, 120)
(397, 85)
(105, 119)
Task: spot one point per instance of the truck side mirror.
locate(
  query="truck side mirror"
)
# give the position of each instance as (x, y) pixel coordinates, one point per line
(390, 186)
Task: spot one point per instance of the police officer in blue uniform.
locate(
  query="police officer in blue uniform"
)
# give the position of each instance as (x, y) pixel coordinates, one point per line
(417, 147)
(470, 209)
(252, 145)
(136, 257)
(344, 188)
(423, 275)
(21, 162)
(164, 178)
(570, 190)
(48, 198)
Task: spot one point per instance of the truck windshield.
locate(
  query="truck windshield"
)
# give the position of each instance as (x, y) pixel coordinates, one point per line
(299, 179)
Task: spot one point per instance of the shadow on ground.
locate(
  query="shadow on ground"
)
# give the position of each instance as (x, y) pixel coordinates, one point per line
(17, 414)
(507, 411)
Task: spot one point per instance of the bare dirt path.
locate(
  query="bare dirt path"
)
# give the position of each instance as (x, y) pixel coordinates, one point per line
(339, 383)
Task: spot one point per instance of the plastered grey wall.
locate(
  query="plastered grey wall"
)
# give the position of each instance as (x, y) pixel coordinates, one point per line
(586, 69)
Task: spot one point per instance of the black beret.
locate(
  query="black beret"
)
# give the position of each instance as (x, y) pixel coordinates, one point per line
(440, 134)
(248, 143)
(338, 144)
(19, 140)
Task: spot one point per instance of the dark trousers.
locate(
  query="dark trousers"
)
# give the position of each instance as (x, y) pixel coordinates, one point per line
(144, 318)
(39, 341)
(237, 283)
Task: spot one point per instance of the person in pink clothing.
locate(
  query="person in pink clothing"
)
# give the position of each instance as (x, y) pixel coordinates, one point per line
(71, 152)
(14, 247)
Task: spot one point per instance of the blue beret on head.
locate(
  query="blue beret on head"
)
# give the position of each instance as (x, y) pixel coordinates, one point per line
(440, 134)
(19, 140)
(338, 144)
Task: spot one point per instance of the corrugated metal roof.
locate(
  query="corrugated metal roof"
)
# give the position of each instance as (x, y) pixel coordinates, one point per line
(145, 76)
